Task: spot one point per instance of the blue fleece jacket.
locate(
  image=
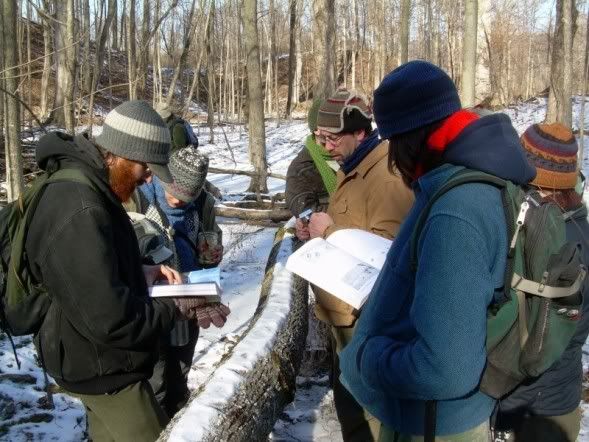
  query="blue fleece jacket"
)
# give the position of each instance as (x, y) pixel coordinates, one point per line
(421, 335)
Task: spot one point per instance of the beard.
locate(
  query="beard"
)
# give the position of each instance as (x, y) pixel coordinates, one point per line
(122, 180)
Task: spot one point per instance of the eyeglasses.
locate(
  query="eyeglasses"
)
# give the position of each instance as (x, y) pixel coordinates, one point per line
(324, 139)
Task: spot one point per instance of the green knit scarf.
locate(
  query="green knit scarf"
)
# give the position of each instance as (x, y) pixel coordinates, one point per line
(320, 158)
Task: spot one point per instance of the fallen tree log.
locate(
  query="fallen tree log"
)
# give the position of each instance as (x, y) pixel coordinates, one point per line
(252, 204)
(277, 214)
(247, 393)
(244, 172)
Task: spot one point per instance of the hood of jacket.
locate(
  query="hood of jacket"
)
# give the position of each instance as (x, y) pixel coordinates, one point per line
(491, 144)
(59, 150)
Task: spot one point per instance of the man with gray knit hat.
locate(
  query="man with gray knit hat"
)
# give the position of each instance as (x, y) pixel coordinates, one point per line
(101, 327)
(367, 197)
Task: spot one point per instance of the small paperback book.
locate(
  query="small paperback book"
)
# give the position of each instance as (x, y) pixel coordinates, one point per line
(203, 283)
(346, 264)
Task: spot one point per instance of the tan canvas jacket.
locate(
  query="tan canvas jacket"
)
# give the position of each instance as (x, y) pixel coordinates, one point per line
(368, 198)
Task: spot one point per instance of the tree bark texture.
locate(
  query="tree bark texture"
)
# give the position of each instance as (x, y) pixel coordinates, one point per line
(561, 81)
(404, 31)
(65, 52)
(257, 130)
(13, 157)
(325, 53)
(469, 54)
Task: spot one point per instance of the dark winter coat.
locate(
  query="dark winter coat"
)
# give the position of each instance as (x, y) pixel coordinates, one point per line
(101, 328)
(304, 186)
(558, 390)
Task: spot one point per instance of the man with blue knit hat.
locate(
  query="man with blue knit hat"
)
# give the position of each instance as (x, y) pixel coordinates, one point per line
(367, 196)
(419, 350)
(100, 327)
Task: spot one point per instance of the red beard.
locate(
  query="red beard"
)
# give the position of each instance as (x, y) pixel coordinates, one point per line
(122, 180)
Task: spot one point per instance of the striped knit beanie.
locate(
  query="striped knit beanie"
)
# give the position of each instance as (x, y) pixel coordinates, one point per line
(189, 170)
(552, 148)
(133, 130)
(344, 111)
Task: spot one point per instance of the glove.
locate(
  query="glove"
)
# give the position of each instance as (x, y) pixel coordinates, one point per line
(212, 313)
(188, 305)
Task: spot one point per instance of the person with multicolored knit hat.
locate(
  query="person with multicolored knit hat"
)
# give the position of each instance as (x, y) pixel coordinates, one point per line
(547, 408)
(367, 196)
(311, 176)
(422, 333)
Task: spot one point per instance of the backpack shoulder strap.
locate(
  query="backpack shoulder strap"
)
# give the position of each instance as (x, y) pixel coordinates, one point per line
(462, 177)
(75, 175)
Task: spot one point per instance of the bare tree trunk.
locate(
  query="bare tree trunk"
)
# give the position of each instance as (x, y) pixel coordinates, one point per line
(561, 74)
(86, 67)
(14, 174)
(101, 42)
(123, 32)
(66, 64)
(44, 101)
(189, 29)
(131, 50)
(324, 32)
(356, 38)
(429, 32)
(291, 55)
(584, 96)
(274, 55)
(196, 77)
(257, 130)
(143, 53)
(2, 85)
(469, 54)
(114, 41)
(404, 31)
(210, 73)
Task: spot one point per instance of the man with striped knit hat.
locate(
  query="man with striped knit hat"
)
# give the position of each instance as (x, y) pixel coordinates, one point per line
(100, 327)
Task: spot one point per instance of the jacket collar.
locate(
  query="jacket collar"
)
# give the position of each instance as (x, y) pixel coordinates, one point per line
(429, 183)
(370, 160)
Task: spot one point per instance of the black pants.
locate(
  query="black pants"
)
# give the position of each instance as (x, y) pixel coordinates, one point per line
(171, 372)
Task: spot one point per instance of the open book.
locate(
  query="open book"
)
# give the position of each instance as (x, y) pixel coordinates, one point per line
(203, 283)
(345, 265)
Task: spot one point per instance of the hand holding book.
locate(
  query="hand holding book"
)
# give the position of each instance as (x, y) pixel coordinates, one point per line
(205, 314)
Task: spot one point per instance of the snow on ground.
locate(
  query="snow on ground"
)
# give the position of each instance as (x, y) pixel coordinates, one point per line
(24, 414)
(282, 143)
(311, 416)
(205, 410)
(242, 271)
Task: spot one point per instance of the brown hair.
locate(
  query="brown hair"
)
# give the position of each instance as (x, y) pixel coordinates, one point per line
(567, 199)
(408, 151)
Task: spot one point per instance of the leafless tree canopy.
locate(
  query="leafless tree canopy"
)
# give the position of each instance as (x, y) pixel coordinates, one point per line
(65, 59)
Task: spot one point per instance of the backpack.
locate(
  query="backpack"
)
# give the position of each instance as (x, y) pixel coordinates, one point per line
(191, 138)
(190, 135)
(529, 329)
(531, 326)
(24, 301)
